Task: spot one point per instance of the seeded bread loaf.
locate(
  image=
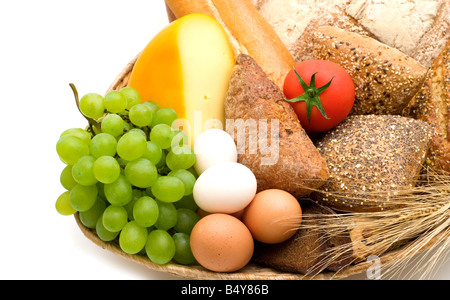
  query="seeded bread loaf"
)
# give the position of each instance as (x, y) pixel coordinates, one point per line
(432, 105)
(370, 156)
(385, 79)
(269, 137)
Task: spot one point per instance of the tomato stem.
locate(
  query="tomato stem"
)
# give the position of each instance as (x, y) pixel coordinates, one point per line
(311, 95)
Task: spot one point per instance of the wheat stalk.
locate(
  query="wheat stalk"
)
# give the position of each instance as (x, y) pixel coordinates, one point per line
(422, 219)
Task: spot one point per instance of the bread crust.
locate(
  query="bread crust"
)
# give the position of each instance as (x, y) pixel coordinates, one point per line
(299, 168)
(432, 105)
(385, 79)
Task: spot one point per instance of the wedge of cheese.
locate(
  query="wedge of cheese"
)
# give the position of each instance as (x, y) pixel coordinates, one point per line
(187, 66)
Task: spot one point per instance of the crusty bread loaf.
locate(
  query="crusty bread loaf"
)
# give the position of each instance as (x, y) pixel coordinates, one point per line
(432, 43)
(418, 28)
(369, 156)
(385, 79)
(293, 163)
(432, 105)
(248, 32)
(296, 20)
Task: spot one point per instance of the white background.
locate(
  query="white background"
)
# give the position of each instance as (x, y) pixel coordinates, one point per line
(45, 45)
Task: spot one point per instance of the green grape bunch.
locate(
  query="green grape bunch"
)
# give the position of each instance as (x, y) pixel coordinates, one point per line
(129, 175)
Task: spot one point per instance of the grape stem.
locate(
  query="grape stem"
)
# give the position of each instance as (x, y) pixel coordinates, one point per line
(92, 122)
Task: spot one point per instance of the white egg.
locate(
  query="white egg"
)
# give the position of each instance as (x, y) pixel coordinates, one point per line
(213, 146)
(225, 188)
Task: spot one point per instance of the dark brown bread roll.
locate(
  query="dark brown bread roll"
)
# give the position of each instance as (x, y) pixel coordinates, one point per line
(311, 250)
(269, 137)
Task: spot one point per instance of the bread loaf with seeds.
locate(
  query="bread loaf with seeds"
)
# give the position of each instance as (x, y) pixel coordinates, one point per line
(432, 105)
(370, 159)
(385, 79)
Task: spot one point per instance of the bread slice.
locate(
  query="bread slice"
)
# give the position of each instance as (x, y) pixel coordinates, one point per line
(269, 137)
(370, 158)
(385, 79)
(432, 105)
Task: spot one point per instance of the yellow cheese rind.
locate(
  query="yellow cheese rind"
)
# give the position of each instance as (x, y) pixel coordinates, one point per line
(187, 67)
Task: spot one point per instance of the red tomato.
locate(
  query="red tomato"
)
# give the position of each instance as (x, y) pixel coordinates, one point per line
(337, 99)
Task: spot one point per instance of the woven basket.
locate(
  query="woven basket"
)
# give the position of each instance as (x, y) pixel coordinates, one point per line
(251, 271)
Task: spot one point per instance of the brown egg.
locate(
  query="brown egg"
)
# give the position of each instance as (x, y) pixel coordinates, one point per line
(221, 243)
(273, 216)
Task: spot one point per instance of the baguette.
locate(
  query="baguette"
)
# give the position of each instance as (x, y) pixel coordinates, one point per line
(248, 32)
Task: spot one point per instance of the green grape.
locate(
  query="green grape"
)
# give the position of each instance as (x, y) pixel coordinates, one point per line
(115, 218)
(164, 115)
(130, 205)
(92, 106)
(168, 188)
(153, 153)
(115, 102)
(152, 105)
(162, 161)
(106, 169)
(145, 211)
(160, 247)
(83, 197)
(66, 178)
(186, 177)
(133, 238)
(132, 96)
(140, 131)
(180, 157)
(187, 202)
(120, 192)
(131, 146)
(89, 217)
(141, 115)
(101, 190)
(103, 233)
(183, 254)
(83, 171)
(70, 149)
(179, 138)
(167, 215)
(127, 126)
(103, 144)
(141, 173)
(63, 205)
(186, 219)
(79, 133)
(161, 135)
(112, 124)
